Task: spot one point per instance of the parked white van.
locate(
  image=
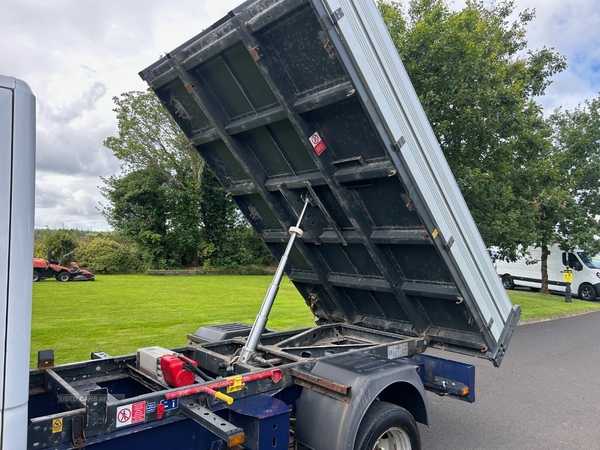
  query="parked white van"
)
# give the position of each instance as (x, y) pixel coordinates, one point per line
(586, 272)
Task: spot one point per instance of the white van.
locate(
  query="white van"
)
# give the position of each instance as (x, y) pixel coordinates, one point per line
(586, 272)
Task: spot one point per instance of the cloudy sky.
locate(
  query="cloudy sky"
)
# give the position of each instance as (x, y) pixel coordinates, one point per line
(78, 54)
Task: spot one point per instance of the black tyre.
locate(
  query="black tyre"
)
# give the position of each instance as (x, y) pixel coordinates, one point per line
(387, 426)
(36, 276)
(64, 276)
(587, 292)
(508, 282)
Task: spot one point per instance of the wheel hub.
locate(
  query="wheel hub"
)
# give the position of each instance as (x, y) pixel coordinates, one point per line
(393, 439)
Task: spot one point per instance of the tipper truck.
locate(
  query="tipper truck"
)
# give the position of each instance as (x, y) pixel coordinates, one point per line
(305, 114)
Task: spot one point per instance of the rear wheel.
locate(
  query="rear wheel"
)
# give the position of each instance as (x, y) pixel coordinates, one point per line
(387, 426)
(507, 282)
(36, 276)
(587, 292)
(64, 276)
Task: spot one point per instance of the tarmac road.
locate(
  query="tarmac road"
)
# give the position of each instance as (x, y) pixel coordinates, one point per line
(545, 395)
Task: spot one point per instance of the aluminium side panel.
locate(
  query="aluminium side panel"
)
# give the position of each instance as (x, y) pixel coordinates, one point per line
(366, 40)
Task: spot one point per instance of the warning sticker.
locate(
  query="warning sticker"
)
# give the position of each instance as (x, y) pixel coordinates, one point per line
(131, 414)
(397, 350)
(57, 425)
(317, 143)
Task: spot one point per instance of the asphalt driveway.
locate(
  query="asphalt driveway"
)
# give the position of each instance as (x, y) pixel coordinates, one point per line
(546, 394)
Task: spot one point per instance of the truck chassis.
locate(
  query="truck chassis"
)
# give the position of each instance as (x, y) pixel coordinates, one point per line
(82, 404)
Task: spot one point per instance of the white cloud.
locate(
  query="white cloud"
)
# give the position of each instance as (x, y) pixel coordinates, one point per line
(68, 201)
(572, 29)
(75, 110)
(77, 55)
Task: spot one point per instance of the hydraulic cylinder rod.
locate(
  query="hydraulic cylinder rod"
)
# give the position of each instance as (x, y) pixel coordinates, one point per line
(247, 353)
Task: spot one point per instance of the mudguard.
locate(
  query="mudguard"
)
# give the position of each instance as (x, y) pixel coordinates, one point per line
(325, 422)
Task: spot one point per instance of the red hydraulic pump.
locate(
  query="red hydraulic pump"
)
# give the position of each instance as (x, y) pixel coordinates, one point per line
(174, 372)
(167, 367)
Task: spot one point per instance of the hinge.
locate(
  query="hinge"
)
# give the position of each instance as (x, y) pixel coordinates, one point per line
(449, 244)
(337, 15)
(330, 20)
(398, 145)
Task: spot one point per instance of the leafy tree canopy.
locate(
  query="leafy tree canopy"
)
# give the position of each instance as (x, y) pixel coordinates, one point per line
(477, 82)
(568, 202)
(165, 199)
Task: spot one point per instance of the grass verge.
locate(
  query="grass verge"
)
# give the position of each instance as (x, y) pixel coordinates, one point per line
(119, 313)
(536, 305)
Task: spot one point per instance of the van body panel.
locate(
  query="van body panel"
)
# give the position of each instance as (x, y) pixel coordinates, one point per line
(527, 271)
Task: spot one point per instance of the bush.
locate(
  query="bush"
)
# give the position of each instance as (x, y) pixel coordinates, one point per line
(106, 255)
(39, 251)
(61, 243)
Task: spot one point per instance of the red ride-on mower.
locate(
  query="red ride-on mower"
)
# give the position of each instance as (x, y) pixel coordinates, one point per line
(52, 269)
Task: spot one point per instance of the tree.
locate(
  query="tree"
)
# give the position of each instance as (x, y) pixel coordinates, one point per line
(138, 209)
(227, 239)
(149, 139)
(477, 82)
(155, 201)
(166, 200)
(563, 184)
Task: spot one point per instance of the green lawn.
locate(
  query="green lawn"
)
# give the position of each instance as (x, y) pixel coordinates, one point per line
(119, 313)
(535, 305)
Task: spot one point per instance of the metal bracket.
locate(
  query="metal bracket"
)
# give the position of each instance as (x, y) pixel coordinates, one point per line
(337, 15)
(96, 410)
(327, 21)
(256, 53)
(399, 144)
(100, 355)
(237, 385)
(77, 432)
(220, 427)
(448, 245)
(322, 385)
(45, 359)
